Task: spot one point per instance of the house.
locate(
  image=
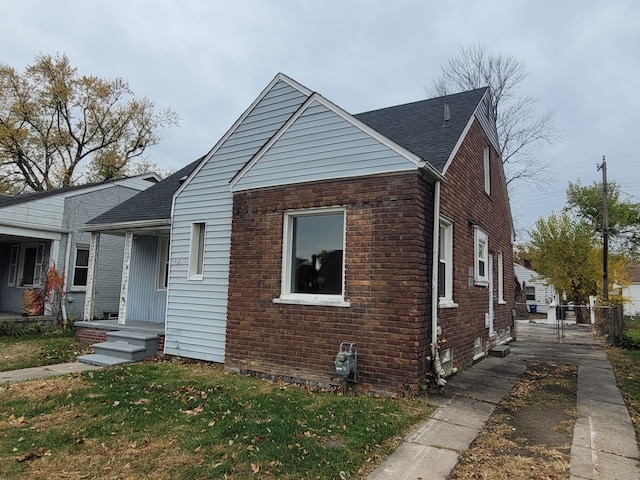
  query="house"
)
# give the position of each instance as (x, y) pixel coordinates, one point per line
(40, 229)
(632, 291)
(536, 294)
(306, 227)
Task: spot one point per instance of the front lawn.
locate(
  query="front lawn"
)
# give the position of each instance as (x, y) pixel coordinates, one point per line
(170, 420)
(54, 345)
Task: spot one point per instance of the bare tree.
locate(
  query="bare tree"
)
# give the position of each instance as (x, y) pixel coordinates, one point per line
(58, 128)
(520, 128)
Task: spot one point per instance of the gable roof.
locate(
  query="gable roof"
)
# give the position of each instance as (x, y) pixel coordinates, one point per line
(421, 128)
(151, 204)
(7, 200)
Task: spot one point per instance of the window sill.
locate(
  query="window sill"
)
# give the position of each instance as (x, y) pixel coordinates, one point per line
(501, 302)
(312, 300)
(196, 278)
(446, 303)
(481, 283)
(78, 289)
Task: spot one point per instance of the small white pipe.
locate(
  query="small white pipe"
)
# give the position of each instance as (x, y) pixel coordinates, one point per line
(434, 270)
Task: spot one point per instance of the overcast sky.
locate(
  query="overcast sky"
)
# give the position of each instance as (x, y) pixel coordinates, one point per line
(208, 60)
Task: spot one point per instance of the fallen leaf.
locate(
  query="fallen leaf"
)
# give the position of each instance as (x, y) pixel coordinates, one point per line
(255, 468)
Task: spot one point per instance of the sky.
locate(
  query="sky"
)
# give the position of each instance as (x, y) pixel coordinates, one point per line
(208, 60)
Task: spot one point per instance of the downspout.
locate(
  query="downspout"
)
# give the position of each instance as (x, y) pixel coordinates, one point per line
(438, 370)
(67, 257)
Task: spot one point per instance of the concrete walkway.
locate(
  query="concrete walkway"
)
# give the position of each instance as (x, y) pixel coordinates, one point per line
(44, 372)
(604, 442)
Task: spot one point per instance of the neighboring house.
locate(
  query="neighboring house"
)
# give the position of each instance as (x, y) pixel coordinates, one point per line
(534, 290)
(632, 292)
(306, 226)
(38, 230)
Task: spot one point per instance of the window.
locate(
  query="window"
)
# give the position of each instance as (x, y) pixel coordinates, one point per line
(487, 171)
(531, 293)
(500, 278)
(81, 270)
(13, 265)
(162, 276)
(481, 275)
(313, 253)
(445, 265)
(196, 251)
(30, 266)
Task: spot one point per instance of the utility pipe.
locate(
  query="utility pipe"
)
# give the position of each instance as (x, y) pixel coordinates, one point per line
(434, 271)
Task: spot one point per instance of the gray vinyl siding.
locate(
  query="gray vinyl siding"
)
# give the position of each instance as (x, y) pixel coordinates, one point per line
(321, 145)
(145, 303)
(197, 309)
(78, 210)
(43, 213)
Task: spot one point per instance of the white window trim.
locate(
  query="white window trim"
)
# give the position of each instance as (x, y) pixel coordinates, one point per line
(162, 260)
(501, 300)
(196, 264)
(486, 158)
(14, 257)
(74, 287)
(479, 236)
(286, 296)
(446, 301)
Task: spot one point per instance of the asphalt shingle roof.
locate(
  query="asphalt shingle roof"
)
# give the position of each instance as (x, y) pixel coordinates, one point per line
(6, 200)
(420, 126)
(154, 203)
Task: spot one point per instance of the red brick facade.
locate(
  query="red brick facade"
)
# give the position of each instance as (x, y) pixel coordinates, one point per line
(389, 227)
(464, 201)
(388, 238)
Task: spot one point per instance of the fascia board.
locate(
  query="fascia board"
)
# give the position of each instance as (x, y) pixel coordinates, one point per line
(279, 77)
(105, 227)
(461, 138)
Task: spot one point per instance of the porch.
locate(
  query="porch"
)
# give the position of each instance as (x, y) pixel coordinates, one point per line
(18, 318)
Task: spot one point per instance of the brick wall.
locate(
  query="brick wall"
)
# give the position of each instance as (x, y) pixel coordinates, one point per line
(388, 239)
(463, 199)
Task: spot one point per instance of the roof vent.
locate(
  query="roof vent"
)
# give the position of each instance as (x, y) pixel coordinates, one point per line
(447, 112)
(182, 179)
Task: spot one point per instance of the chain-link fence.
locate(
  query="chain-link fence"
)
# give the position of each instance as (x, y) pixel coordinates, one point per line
(561, 325)
(610, 323)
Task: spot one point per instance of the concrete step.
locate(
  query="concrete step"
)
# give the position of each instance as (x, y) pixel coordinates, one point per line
(500, 351)
(101, 360)
(147, 340)
(121, 349)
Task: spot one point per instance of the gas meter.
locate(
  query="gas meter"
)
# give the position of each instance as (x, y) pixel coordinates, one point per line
(347, 361)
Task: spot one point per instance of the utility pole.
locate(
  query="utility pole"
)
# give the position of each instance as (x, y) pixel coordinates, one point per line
(605, 232)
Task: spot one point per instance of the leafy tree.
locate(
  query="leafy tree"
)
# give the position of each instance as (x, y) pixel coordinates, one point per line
(58, 127)
(585, 201)
(563, 251)
(520, 128)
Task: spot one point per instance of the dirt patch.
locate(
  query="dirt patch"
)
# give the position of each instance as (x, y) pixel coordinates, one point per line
(530, 432)
(41, 390)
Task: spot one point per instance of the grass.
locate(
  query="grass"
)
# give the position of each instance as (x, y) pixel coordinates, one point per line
(626, 367)
(54, 345)
(529, 434)
(182, 421)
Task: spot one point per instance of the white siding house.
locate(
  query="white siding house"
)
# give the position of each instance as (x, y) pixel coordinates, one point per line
(535, 291)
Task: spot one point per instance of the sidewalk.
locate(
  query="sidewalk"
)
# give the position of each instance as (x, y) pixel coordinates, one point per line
(44, 372)
(604, 442)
